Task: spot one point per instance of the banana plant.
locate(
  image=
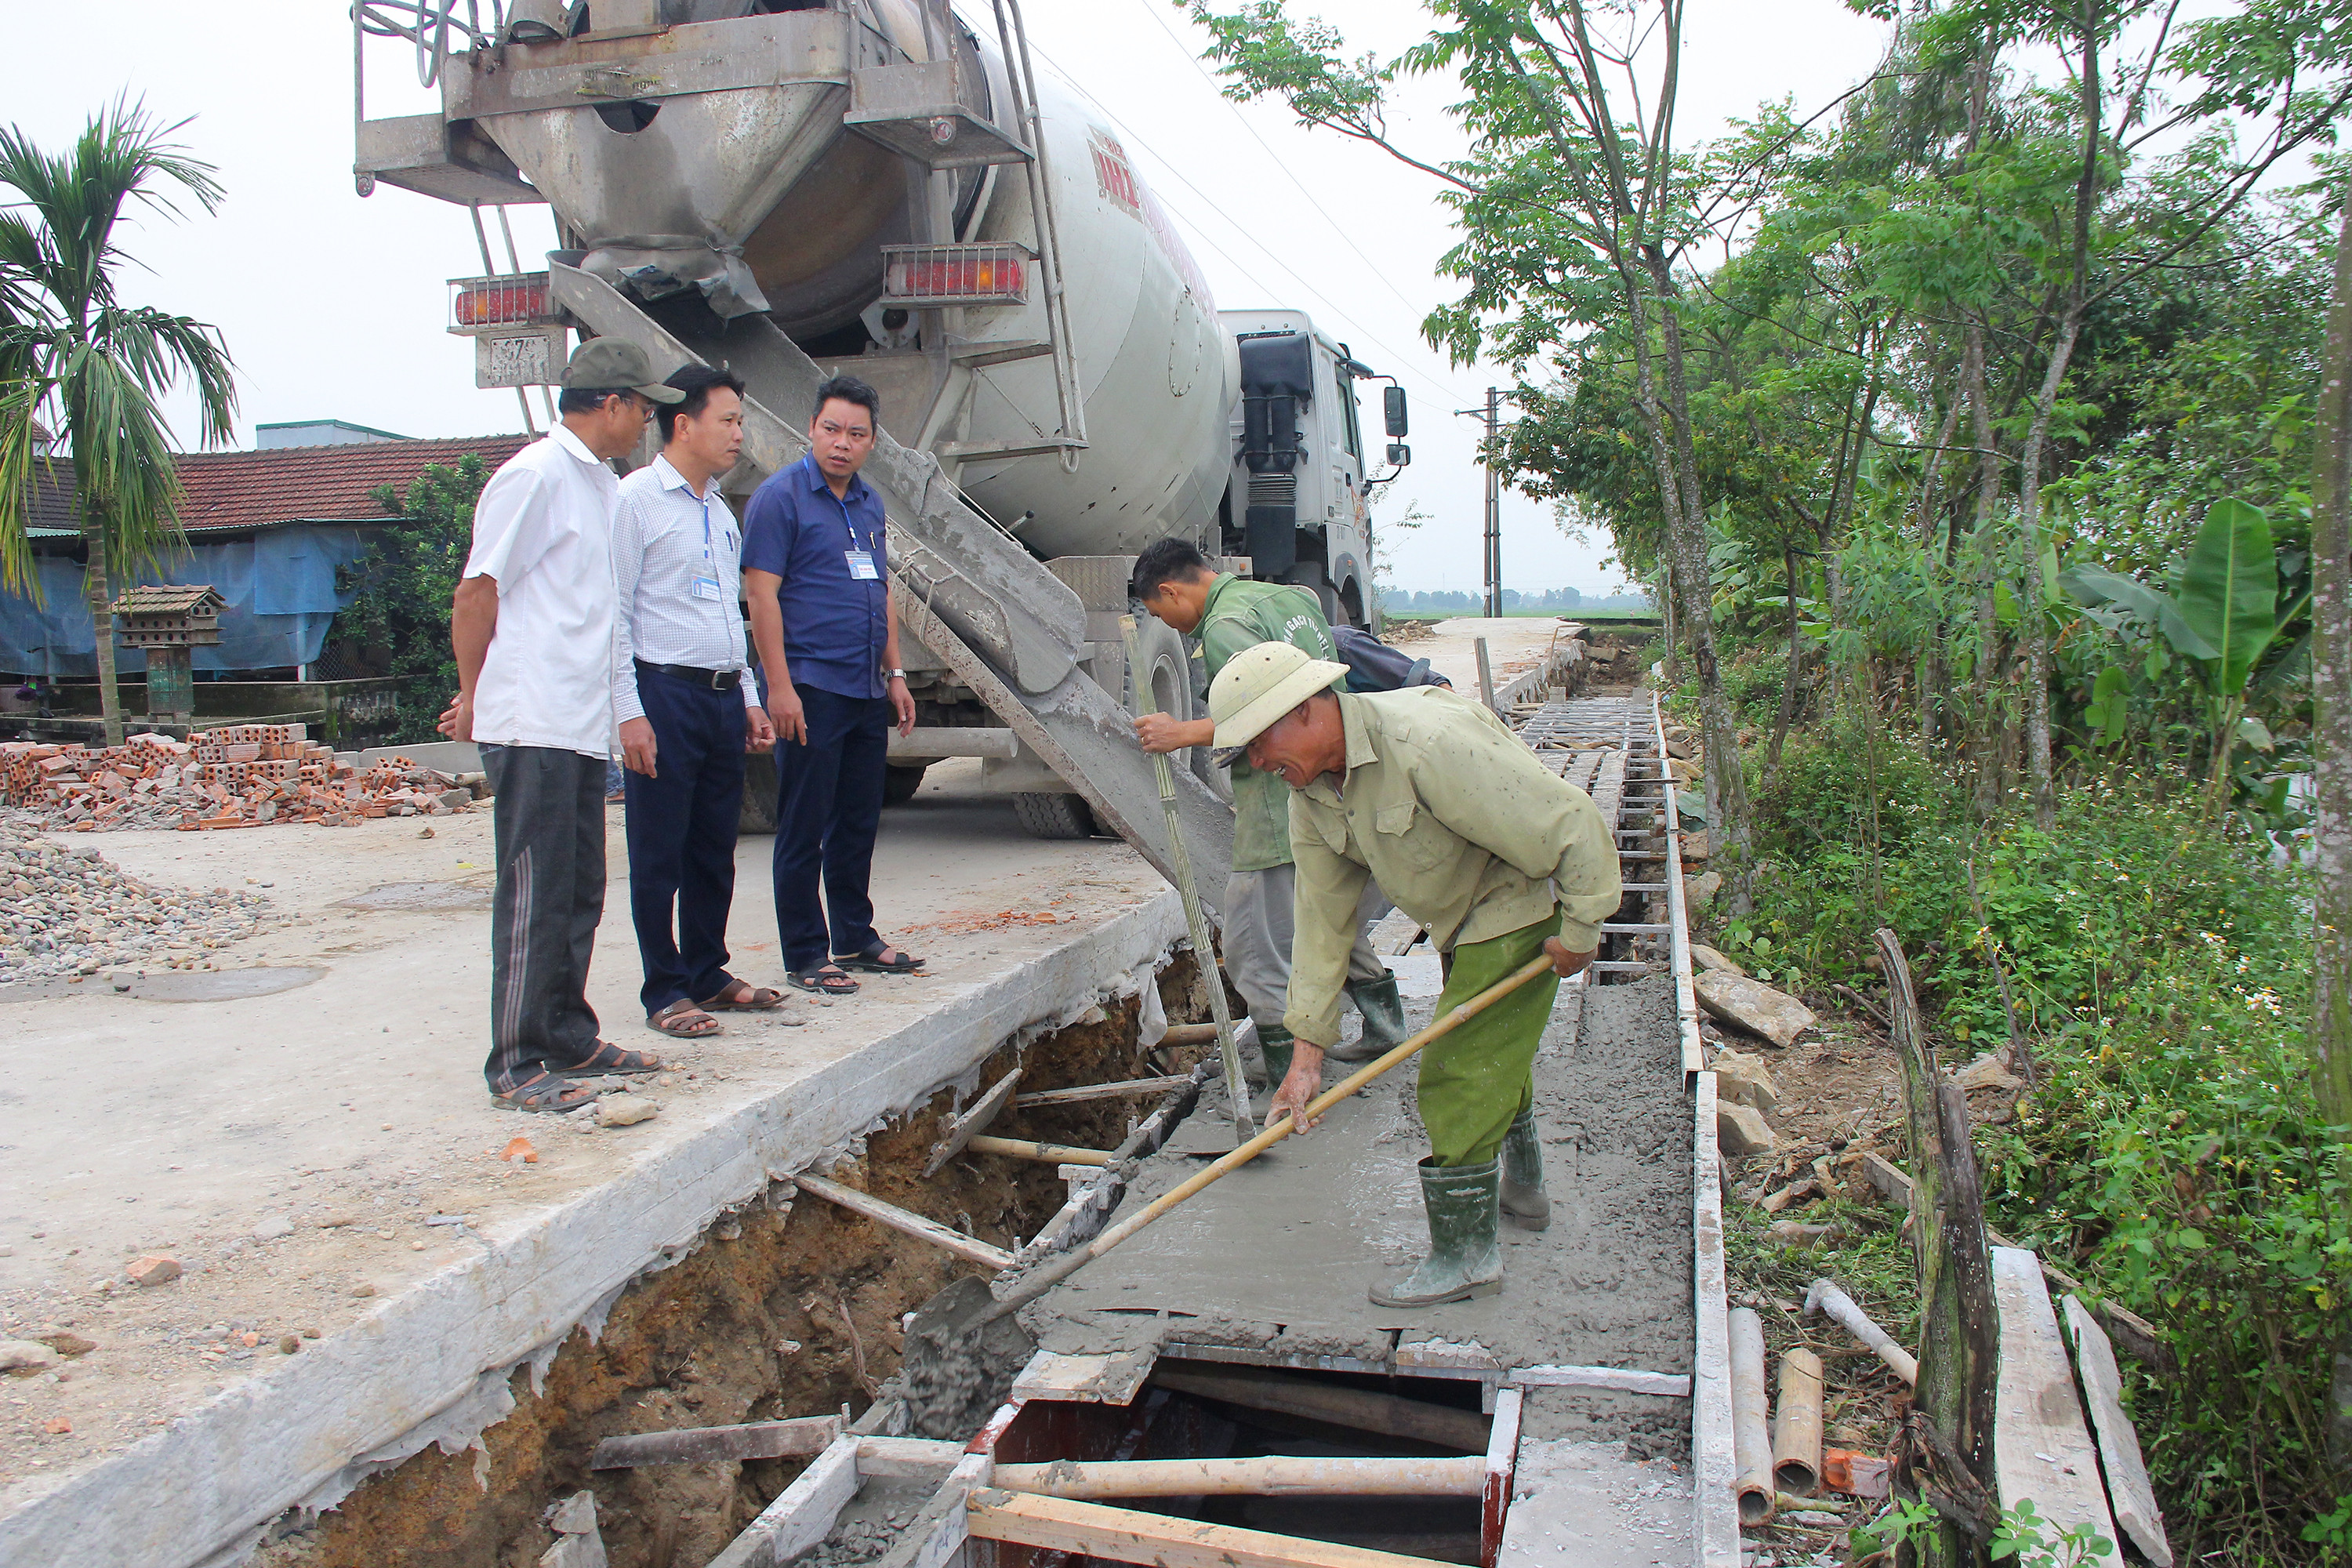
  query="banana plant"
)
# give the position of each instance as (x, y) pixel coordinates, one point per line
(2223, 615)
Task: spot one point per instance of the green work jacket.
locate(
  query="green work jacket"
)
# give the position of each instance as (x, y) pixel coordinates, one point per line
(1240, 614)
(1462, 829)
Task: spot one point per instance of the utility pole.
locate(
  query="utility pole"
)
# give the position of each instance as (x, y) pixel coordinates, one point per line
(1490, 548)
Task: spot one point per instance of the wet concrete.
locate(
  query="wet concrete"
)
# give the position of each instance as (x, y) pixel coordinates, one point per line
(1277, 1256)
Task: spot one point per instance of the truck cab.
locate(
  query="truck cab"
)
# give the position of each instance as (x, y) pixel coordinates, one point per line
(1295, 501)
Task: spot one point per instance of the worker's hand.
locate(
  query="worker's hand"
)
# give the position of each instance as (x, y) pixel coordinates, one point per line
(759, 731)
(790, 720)
(1303, 1084)
(637, 745)
(902, 703)
(457, 719)
(1564, 962)
(1160, 733)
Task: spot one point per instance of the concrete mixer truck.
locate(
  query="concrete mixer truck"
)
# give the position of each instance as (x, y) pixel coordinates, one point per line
(797, 188)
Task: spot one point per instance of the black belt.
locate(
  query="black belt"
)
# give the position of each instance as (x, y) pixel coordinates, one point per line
(717, 680)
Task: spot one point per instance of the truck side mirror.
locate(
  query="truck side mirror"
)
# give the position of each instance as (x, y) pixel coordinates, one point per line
(1399, 454)
(1392, 407)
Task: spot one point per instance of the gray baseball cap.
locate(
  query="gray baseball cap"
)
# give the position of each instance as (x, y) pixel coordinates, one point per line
(602, 363)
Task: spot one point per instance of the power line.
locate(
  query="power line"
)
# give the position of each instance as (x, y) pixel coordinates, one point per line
(1201, 235)
(1345, 238)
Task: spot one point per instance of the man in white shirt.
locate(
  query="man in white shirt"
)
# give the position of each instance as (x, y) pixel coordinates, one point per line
(688, 708)
(532, 626)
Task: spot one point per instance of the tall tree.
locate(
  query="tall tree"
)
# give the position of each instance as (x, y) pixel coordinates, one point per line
(1574, 213)
(72, 353)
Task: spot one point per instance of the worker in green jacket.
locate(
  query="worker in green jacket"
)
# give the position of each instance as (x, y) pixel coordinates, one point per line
(1228, 614)
(1495, 856)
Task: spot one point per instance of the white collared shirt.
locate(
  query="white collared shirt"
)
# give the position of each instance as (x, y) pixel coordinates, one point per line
(543, 529)
(665, 540)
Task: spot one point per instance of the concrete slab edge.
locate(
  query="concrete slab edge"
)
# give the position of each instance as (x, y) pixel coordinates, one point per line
(1715, 1509)
(276, 1440)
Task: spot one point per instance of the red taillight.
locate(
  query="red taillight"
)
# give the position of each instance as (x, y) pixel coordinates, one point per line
(960, 274)
(515, 300)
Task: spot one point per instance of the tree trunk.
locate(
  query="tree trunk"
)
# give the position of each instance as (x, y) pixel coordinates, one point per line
(2331, 737)
(95, 585)
(1796, 671)
(1987, 730)
(2034, 620)
(1726, 779)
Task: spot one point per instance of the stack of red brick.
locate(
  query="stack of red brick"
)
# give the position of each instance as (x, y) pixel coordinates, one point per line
(238, 776)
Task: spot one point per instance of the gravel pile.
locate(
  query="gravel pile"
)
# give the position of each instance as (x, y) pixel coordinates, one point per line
(68, 911)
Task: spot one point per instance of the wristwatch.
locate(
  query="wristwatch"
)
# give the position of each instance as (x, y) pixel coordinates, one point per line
(895, 675)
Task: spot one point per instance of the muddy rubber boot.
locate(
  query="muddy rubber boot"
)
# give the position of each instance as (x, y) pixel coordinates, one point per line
(1276, 1045)
(1465, 1243)
(1524, 1203)
(1383, 1014)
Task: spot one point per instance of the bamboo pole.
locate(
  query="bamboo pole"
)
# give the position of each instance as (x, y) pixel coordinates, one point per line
(1030, 1149)
(1196, 924)
(1265, 1476)
(1827, 1297)
(1797, 1433)
(1752, 1433)
(905, 1220)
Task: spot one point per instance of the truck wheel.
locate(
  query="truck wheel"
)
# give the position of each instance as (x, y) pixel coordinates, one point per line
(1166, 669)
(900, 780)
(759, 814)
(1054, 816)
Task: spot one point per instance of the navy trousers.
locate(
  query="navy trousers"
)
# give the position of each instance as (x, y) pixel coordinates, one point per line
(682, 824)
(828, 808)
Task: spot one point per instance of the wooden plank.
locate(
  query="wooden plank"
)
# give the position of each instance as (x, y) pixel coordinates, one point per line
(2041, 1448)
(803, 1515)
(1085, 1379)
(1624, 1380)
(2129, 1491)
(905, 1220)
(905, 1457)
(1393, 1414)
(1126, 1088)
(1125, 1535)
(1266, 1474)
(1498, 1470)
(701, 1445)
(957, 1131)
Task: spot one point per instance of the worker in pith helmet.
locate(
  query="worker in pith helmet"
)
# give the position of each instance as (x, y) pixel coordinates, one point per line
(1496, 858)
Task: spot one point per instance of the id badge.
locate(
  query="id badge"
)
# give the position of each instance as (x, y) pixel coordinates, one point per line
(707, 588)
(861, 565)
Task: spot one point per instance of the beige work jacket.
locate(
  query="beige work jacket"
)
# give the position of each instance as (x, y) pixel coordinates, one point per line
(1462, 829)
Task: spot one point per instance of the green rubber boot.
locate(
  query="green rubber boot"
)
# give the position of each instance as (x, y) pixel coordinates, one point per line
(1466, 1245)
(1524, 1203)
(1276, 1045)
(1384, 1011)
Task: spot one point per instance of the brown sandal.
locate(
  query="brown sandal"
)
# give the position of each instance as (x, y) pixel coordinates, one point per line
(682, 1020)
(760, 999)
(607, 1059)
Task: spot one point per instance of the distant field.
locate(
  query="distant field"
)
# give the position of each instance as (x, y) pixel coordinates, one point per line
(1589, 616)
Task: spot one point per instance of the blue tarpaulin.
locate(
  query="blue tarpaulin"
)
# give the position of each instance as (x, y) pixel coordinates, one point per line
(279, 587)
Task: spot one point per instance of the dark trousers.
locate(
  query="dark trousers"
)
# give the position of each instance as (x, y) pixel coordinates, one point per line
(548, 818)
(682, 824)
(828, 808)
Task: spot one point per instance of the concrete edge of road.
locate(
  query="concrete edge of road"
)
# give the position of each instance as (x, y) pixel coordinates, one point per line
(431, 1363)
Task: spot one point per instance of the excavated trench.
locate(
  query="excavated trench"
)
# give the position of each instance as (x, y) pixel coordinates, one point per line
(789, 1307)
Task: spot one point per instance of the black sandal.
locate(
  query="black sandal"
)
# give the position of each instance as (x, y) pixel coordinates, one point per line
(828, 980)
(608, 1057)
(548, 1091)
(872, 962)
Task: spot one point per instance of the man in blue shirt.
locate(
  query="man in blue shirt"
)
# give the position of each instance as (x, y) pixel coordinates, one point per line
(817, 583)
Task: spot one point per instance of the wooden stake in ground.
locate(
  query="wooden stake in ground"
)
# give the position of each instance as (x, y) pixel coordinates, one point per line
(1945, 1452)
(1196, 922)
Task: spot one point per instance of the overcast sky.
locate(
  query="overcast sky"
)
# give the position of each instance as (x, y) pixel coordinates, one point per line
(333, 306)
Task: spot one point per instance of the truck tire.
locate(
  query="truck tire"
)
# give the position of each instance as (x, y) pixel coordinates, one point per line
(759, 814)
(1054, 816)
(900, 780)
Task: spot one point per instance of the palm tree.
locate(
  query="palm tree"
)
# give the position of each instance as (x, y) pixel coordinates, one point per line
(72, 352)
